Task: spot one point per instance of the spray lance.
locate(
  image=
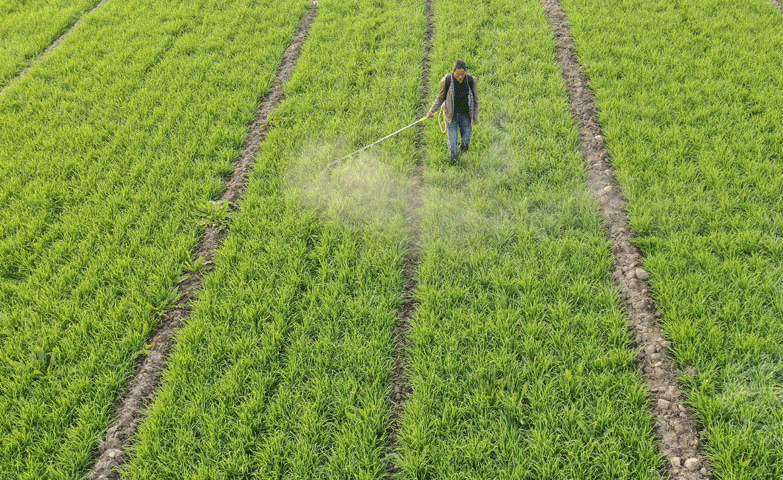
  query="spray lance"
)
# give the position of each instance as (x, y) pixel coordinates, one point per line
(340, 160)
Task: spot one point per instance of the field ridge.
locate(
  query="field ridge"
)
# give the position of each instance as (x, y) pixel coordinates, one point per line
(401, 388)
(676, 429)
(35, 58)
(143, 388)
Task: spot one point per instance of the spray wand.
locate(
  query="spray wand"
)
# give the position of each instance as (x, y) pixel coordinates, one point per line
(332, 164)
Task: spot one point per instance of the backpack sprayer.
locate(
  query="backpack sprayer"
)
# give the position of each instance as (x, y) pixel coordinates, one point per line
(339, 160)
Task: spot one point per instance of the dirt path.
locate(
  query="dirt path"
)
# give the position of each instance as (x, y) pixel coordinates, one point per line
(54, 45)
(401, 389)
(142, 389)
(675, 427)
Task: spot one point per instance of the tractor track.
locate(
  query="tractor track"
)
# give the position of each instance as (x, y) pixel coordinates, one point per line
(130, 410)
(401, 388)
(36, 58)
(676, 430)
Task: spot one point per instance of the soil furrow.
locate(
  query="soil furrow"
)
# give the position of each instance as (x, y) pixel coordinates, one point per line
(142, 389)
(51, 47)
(676, 429)
(401, 389)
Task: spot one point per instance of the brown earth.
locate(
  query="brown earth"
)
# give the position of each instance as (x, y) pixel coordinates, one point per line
(778, 4)
(130, 411)
(676, 430)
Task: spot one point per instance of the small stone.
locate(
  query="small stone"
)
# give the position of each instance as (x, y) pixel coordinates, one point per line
(642, 274)
(650, 349)
(663, 404)
(114, 453)
(655, 357)
(679, 428)
(692, 464)
(676, 462)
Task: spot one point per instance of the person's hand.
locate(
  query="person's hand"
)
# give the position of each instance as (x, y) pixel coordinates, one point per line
(430, 114)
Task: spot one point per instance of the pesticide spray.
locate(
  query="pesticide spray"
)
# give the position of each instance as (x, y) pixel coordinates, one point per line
(340, 160)
(366, 192)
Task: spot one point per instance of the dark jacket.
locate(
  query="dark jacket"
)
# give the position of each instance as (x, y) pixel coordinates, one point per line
(446, 97)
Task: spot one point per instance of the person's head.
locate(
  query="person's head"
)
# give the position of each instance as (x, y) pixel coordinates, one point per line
(460, 70)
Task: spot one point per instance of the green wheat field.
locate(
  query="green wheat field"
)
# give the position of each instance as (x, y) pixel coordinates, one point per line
(519, 356)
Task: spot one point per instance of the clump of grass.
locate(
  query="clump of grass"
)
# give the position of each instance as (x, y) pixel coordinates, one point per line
(214, 213)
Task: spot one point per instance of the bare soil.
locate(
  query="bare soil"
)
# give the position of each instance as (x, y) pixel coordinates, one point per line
(778, 4)
(130, 411)
(676, 430)
(401, 388)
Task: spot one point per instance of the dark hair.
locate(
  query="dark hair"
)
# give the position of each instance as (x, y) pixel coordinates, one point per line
(460, 65)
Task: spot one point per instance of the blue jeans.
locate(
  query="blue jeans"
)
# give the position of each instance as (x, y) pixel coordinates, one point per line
(459, 122)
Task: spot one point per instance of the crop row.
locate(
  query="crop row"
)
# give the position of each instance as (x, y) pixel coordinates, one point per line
(28, 28)
(110, 145)
(690, 101)
(520, 362)
(284, 369)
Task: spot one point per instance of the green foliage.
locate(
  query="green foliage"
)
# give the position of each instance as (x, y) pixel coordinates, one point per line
(195, 266)
(690, 100)
(107, 145)
(214, 214)
(28, 28)
(115, 147)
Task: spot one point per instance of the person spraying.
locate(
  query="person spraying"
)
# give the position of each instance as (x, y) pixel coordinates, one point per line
(460, 99)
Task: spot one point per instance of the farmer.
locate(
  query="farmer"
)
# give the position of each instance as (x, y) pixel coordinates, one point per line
(459, 92)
